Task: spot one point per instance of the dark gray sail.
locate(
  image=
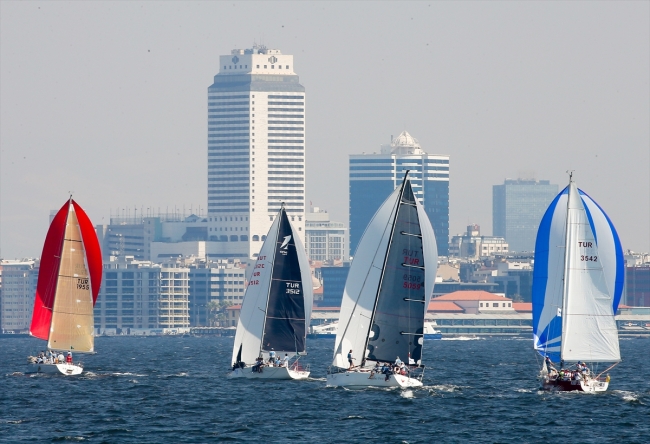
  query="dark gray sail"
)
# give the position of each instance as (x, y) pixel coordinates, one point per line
(398, 322)
(284, 328)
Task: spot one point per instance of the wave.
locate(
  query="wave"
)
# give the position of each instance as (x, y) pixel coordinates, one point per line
(463, 338)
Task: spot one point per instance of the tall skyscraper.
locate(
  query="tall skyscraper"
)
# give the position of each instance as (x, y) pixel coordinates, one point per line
(256, 148)
(374, 176)
(517, 208)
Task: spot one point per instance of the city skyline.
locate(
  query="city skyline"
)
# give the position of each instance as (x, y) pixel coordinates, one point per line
(119, 118)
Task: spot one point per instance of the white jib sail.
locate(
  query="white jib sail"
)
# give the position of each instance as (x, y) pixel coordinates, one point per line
(361, 286)
(589, 330)
(250, 326)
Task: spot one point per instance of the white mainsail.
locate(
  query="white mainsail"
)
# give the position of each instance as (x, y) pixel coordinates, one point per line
(250, 327)
(72, 314)
(589, 330)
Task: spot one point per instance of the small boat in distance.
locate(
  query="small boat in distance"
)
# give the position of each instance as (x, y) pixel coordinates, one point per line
(430, 332)
(276, 309)
(577, 286)
(385, 299)
(323, 331)
(69, 278)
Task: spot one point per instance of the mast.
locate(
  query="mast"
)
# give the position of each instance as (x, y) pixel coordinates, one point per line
(565, 276)
(275, 249)
(383, 270)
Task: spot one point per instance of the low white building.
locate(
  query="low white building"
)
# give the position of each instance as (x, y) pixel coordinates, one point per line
(19, 278)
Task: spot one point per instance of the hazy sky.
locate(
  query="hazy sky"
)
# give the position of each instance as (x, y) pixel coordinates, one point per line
(108, 100)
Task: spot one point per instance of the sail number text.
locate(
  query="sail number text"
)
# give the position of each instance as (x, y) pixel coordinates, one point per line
(587, 257)
(83, 284)
(410, 257)
(411, 281)
(293, 288)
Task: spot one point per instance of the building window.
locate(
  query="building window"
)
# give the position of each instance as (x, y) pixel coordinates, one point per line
(243, 237)
(258, 67)
(264, 66)
(256, 238)
(481, 304)
(287, 66)
(263, 238)
(234, 238)
(495, 304)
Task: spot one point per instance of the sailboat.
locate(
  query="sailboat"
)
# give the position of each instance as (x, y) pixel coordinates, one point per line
(276, 309)
(69, 278)
(385, 299)
(577, 286)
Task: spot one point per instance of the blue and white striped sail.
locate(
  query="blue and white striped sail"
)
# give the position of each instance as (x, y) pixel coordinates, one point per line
(577, 281)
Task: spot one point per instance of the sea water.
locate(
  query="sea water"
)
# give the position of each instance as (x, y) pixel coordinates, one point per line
(175, 390)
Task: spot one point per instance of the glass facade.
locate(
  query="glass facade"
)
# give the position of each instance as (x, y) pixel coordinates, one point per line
(373, 177)
(517, 208)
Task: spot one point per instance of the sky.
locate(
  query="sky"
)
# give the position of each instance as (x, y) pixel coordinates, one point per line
(108, 100)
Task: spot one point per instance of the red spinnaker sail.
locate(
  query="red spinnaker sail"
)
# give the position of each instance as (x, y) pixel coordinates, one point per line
(47, 275)
(49, 266)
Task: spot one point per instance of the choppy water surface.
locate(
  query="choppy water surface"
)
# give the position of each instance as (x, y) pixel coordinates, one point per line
(173, 390)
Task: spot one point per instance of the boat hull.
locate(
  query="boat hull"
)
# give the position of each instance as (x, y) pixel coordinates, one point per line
(55, 369)
(363, 379)
(269, 373)
(588, 385)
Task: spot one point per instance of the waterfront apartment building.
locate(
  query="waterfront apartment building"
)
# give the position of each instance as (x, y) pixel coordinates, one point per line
(222, 281)
(256, 147)
(472, 245)
(324, 239)
(19, 278)
(517, 209)
(141, 294)
(374, 176)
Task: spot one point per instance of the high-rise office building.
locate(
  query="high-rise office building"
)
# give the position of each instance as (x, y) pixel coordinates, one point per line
(256, 147)
(374, 176)
(517, 208)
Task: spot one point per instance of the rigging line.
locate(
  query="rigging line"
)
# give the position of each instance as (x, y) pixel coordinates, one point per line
(411, 234)
(608, 368)
(412, 266)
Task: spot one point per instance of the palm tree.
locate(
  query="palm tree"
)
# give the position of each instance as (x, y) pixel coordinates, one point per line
(217, 311)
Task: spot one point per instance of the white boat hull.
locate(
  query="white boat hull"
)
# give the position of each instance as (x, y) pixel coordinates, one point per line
(363, 379)
(55, 369)
(269, 373)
